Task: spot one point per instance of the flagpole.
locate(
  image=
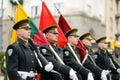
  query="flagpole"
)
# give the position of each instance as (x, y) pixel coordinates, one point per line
(16, 1)
(56, 55)
(75, 56)
(74, 53)
(11, 18)
(57, 9)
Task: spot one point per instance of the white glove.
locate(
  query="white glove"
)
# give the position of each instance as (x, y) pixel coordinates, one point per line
(90, 76)
(73, 75)
(118, 70)
(49, 67)
(107, 72)
(104, 75)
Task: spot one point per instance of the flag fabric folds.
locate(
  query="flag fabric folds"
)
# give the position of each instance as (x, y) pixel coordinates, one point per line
(40, 39)
(65, 27)
(46, 20)
(20, 14)
(34, 29)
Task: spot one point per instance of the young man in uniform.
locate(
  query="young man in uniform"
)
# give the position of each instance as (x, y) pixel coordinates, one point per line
(73, 38)
(104, 58)
(64, 71)
(86, 39)
(20, 57)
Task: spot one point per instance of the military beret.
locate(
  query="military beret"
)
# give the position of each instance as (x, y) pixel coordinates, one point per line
(86, 35)
(21, 24)
(71, 32)
(102, 39)
(50, 28)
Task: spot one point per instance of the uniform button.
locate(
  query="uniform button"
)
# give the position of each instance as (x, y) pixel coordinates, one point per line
(31, 54)
(32, 61)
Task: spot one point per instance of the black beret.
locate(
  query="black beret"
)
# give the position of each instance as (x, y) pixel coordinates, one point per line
(86, 35)
(21, 24)
(50, 28)
(71, 32)
(102, 39)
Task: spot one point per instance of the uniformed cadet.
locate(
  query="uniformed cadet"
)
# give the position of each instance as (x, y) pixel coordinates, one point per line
(51, 34)
(73, 38)
(104, 58)
(20, 58)
(86, 40)
(69, 58)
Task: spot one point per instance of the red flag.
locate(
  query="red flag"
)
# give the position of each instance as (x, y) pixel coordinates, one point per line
(40, 38)
(46, 20)
(65, 28)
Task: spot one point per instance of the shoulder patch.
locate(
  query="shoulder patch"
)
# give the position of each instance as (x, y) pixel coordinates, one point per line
(44, 51)
(95, 56)
(67, 53)
(10, 51)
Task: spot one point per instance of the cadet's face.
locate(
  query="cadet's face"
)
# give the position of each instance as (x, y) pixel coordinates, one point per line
(87, 42)
(103, 45)
(73, 40)
(24, 33)
(52, 36)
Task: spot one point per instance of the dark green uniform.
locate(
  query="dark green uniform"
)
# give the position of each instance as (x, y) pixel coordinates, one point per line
(70, 61)
(88, 64)
(20, 57)
(91, 53)
(62, 69)
(103, 61)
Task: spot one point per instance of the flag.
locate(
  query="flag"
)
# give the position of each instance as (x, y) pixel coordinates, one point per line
(40, 39)
(20, 14)
(66, 27)
(46, 20)
(34, 29)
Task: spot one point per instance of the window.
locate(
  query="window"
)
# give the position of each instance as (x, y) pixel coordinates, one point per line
(35, 11)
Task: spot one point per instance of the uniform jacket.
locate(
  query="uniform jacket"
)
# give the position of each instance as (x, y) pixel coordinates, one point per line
(20, 57)
(88, 64)
(70, 61)
(62, 69)
(103, 60)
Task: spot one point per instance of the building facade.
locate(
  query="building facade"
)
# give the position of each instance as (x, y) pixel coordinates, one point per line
(112, 18)
(86, 15)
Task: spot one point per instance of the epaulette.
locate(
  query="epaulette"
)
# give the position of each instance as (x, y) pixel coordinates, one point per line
(15, 44)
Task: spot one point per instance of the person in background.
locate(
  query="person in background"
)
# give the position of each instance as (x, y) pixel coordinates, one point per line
(87, 41)
(73, 38)
(69, 58)
(105, 60)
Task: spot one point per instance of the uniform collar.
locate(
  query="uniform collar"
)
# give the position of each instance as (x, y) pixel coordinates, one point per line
(24, 43)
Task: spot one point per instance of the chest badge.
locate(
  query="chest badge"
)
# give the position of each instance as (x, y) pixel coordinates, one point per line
(44, 51)
(67, 53)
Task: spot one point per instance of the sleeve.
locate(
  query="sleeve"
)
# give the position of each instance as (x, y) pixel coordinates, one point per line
(98, 59)
(63, 69)
(94, 68)
(70, 61)
(12, 63)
